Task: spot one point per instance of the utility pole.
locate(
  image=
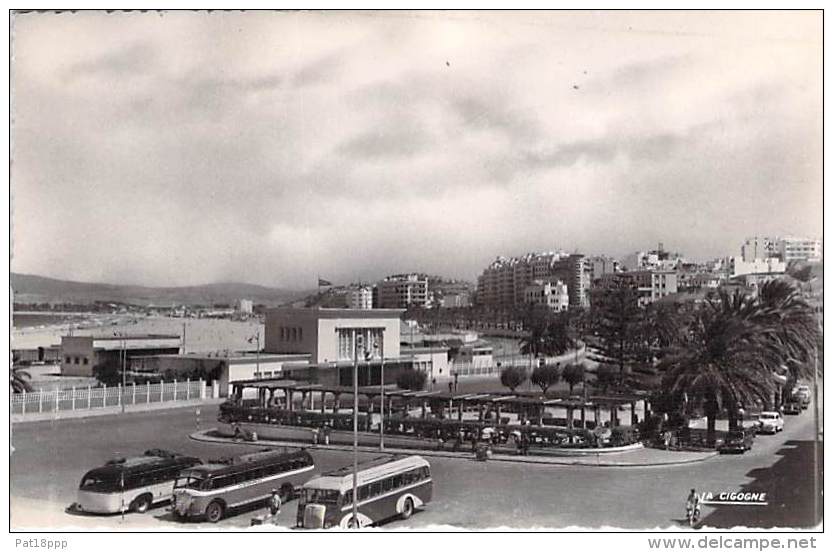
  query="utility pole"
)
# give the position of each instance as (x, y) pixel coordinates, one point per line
(816, 436)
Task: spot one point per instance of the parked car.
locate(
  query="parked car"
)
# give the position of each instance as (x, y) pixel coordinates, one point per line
(801, 393)
(771, 422)
(738, 441)
(792, 407)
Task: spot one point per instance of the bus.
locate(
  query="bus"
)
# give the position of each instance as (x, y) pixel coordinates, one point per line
(210, 490)
(131, 484)
(387, 487)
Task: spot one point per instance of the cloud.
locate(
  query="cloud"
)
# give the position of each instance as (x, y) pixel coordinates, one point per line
(267, 147)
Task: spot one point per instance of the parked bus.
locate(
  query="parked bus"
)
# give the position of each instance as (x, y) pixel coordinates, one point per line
(211, 489)
(387, 487)
(131, 484)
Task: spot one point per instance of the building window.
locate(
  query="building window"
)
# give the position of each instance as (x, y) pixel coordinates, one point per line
(86, 361)
(76, 360)
(68, 360)
(300, 334)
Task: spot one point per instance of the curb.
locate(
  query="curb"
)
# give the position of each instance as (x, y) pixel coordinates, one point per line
(203, 437)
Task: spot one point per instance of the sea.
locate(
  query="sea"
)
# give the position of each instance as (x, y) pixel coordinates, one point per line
(38, 319)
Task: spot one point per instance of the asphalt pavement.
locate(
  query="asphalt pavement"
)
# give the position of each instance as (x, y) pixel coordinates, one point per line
(50, 458)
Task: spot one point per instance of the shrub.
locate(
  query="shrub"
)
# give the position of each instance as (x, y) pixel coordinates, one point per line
(546, 376)
(512, 377)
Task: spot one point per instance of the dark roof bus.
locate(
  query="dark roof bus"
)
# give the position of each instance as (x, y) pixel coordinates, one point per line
(131, 484)
(210, 490)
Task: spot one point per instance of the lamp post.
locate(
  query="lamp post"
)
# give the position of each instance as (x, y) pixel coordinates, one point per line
(123, 358)
(382, 387)
(357, 342)
(815, 435)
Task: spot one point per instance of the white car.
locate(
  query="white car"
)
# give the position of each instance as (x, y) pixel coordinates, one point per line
(771, 422)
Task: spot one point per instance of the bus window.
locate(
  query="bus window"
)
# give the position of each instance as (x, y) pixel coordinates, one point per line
(375, 488)
(364, 492)
(348, 497)
(397, 481)
(387, 485)
(426, 473)
(222, 481)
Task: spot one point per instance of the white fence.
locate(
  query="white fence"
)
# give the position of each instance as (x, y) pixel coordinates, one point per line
(88, 398)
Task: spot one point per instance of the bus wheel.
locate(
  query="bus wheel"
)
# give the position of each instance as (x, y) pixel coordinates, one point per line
(214, 512)
(407, 508)
(141, 504)
(287, 492)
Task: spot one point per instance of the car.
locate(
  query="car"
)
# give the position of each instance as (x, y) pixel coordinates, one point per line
(792, 407)
(801, 393)
(771, 422)
(738, 441)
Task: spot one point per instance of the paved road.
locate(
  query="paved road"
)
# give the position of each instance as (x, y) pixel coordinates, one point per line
(50, 457)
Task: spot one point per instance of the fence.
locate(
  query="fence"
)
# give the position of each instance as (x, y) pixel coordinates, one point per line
(469, 369)
(88, 398)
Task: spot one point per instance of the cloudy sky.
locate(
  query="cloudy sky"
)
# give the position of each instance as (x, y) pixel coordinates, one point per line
(186, 148)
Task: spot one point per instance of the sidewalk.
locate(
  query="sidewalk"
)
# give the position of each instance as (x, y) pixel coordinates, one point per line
(643, 457)
(110, 410)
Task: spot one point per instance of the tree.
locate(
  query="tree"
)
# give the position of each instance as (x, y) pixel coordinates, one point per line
(546, 376)
(19, 380)
(736, 345)
(108, 372)
(573, 375)
(606, 376)
(412, 380)
(512, 377)
(536, 320)
(617, 322)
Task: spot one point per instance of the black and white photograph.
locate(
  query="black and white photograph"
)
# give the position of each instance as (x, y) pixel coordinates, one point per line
(365, 270)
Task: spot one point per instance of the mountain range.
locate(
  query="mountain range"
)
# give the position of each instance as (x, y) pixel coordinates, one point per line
(30, 288)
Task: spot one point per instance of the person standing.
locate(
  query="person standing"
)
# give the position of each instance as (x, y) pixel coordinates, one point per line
(274, 505)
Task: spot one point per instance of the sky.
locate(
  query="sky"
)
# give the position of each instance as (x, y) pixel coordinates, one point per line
(183, 148)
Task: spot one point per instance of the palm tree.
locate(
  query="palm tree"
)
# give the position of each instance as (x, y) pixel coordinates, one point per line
(737, 344)
(19, 380)
(725, 362)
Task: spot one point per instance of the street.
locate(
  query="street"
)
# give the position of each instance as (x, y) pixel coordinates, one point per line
(50, 458)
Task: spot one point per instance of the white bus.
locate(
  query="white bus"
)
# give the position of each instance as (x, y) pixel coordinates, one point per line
(387, 487)
(131, 484)
(210, 490)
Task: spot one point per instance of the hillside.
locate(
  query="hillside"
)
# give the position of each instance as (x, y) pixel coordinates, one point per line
(30, 288)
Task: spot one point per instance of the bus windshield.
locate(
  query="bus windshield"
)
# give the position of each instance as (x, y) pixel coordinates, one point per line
(320, 496)
(189, 481)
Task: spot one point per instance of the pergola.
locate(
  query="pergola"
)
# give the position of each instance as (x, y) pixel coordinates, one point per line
(527, 405)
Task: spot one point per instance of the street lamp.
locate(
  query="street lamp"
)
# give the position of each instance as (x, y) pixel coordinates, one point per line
(123, 357)
(357, 342)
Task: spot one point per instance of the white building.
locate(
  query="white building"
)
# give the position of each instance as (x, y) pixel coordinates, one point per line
(772, 265)
(800, 249)
(360, 298)
(245, 306)
(552, 295)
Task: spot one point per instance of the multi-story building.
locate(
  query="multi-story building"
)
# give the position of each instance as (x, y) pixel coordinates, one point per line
(552, 295)
(360, 298)
(760, 247)
(401, 291)
(503, 283)
(651, 285)
(600, 265)
(800, 249)
(771, 265)
(787, 249)
(245, 306)
(657, 259)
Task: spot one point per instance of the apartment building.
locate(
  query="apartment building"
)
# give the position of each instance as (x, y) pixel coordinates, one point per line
(401, 291)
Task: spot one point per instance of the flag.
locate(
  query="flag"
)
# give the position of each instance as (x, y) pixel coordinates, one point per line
(322, 282)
